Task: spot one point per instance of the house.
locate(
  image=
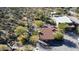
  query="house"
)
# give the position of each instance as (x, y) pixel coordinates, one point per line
(75, 21)
(65, 20)
(72, 13)
(47, 33)
(62, 19)
(54, 14)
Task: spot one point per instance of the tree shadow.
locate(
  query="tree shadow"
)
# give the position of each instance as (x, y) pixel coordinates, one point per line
(54, 42)
(69, 43)
(65, 42)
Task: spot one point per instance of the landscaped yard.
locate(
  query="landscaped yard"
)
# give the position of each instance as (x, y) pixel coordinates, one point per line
(38, 29)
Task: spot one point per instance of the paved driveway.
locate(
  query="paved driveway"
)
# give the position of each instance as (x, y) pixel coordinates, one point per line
(69, 44)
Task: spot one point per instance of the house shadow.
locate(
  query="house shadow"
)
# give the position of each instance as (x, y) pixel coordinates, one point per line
(65, 42)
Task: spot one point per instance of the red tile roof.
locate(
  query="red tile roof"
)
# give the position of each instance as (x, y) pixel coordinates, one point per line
(46, 33)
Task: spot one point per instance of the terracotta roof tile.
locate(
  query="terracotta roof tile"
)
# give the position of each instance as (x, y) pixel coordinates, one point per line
(47, 34)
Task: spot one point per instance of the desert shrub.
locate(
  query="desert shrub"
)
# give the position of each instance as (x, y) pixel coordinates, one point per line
(77, 30)
(3, 39)
(39, 23)
(20, 30)
(22, 23)
(4, 47)
(60, 11)
(7, 16)
(35, 32)
(22, 38)
(28, 48)
(38, 14)
(34, 39)
(51, 22)
(58, 35)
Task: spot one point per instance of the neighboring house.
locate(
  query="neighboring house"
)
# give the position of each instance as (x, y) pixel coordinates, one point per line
(72, 13)
(74, 19)
(63, 19)
(47, 33)
(54, 14)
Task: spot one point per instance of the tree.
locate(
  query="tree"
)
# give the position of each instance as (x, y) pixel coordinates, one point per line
(22, 38)
(59, 11)
(35, 32)
(51, 21)
(62, 27)
(58, 35)
(34, 39)
(20, 30)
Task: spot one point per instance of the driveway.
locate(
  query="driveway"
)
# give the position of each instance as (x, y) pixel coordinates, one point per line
(69, 44)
